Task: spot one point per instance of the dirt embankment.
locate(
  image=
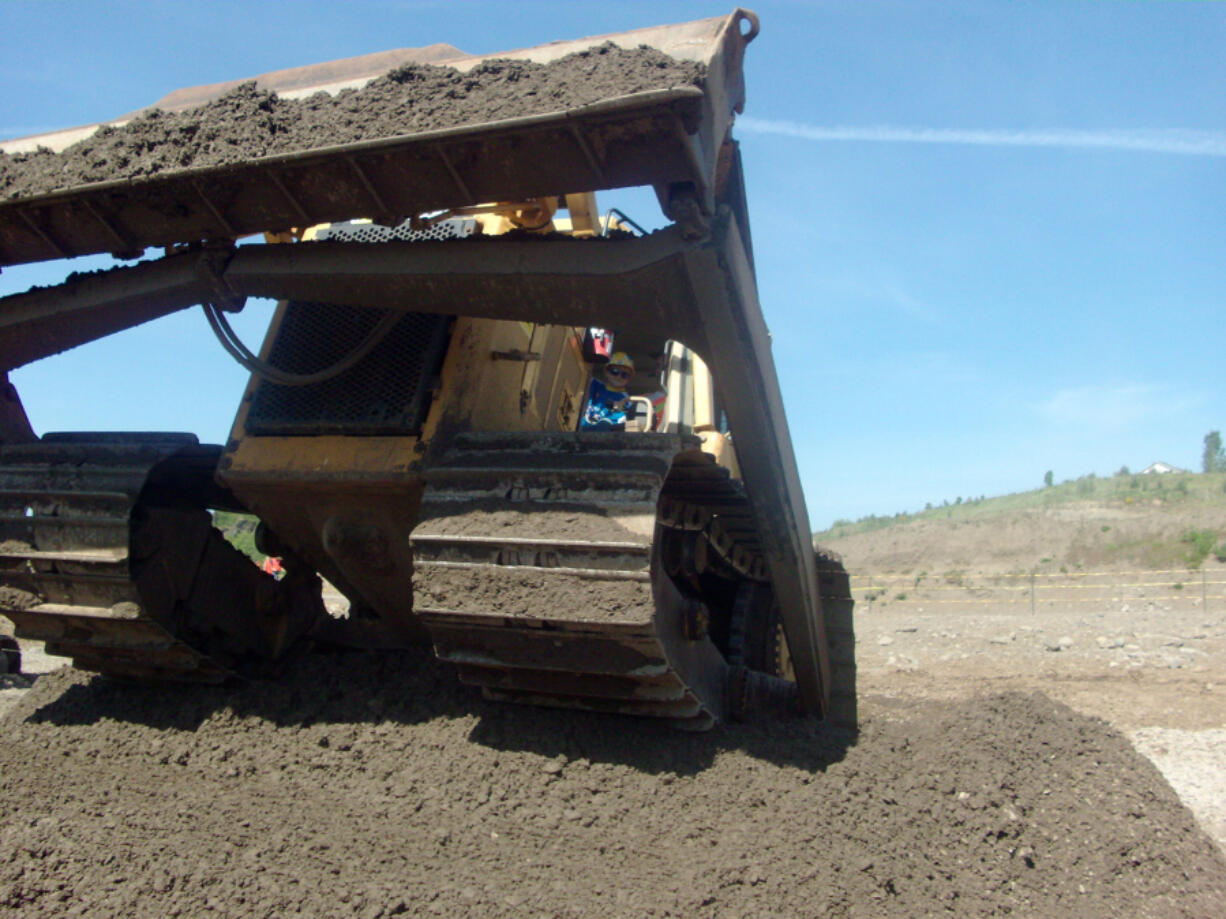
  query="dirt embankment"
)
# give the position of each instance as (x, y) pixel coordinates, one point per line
(376, 785)
(1085, 534)
(247, 122)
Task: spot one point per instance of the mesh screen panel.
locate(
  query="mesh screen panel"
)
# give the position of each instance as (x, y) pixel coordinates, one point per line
(376, 233)
(387, 392)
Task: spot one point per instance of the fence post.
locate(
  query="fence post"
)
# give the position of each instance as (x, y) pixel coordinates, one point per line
(1032, 593)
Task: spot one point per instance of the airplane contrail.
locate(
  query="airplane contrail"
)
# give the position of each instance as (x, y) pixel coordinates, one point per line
(1181, 142)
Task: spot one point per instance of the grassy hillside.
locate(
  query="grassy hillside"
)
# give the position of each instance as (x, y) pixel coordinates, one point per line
(1150, 521)
(1171, 490)
(239, 529)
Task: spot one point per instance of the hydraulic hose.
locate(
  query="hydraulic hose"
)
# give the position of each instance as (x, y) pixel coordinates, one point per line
(244, 356)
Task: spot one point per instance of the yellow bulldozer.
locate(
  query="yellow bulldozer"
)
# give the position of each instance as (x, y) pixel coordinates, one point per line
(417, 435)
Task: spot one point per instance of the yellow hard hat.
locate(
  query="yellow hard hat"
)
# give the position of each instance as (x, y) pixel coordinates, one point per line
(621, 359)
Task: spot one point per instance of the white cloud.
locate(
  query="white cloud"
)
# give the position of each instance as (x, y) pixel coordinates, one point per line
(1102, 408)
(1180, 142)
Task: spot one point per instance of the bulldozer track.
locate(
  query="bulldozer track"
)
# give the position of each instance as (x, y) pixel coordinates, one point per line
(617, 573)
(108, 554)
(65, 557)
(582, 607)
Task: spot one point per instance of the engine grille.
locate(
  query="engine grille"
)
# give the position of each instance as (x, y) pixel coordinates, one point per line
(403, 232)
(385, 393)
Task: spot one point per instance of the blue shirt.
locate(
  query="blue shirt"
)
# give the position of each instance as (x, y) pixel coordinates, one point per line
(601, 412)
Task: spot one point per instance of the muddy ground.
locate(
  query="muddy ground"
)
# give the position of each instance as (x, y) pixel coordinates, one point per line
(248, 122)
(988, 779)
(1156, 675)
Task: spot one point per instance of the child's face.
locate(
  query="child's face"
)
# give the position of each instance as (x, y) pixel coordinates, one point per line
(617, 376)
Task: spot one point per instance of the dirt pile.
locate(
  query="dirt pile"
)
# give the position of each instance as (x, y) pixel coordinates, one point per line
(248, 122)
(377, 786)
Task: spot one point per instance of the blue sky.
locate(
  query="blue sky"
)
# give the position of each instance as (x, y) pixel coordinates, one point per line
(989, 235)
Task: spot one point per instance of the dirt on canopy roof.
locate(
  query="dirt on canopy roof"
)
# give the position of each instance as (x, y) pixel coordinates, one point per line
(248, 122)
(376, 785)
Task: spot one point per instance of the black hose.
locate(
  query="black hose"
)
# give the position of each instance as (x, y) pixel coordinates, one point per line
(244, 356)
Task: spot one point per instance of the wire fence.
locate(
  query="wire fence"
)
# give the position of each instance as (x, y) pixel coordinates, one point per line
(1177, 586)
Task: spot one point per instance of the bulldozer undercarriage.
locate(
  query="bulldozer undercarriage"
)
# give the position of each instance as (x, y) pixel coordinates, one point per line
(608, 573)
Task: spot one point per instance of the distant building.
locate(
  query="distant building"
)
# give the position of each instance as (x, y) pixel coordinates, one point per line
(1160, 468)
